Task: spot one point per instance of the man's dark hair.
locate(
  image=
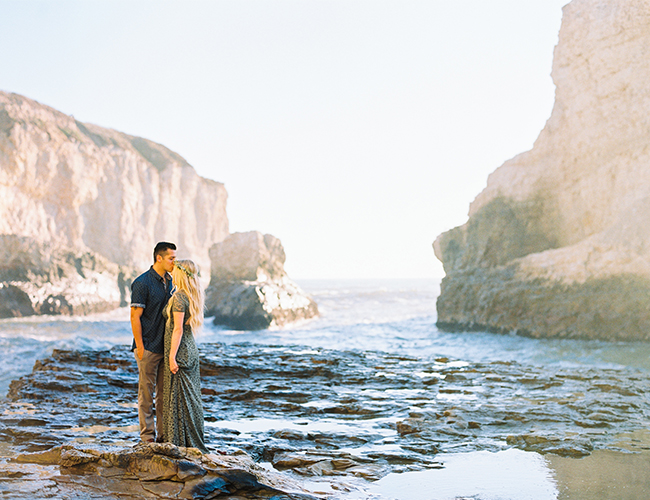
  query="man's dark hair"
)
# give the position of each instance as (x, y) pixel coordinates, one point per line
(162, 247)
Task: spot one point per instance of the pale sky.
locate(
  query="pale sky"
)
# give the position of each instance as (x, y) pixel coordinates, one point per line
(354, 131)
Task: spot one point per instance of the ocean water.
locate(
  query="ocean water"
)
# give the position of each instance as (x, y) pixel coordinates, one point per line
(399, 316)
(396, 316)
(382, 316)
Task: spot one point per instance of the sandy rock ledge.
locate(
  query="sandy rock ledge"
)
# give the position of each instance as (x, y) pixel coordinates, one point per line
(163, 470)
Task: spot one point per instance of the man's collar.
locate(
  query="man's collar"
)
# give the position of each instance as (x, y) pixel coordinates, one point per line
(167, 277)
(158, 276)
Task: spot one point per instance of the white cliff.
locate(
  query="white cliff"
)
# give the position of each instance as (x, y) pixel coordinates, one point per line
(557, 243)
(77, 185)
(81, 208)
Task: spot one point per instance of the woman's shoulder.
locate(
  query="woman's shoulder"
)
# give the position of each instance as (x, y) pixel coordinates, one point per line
(181, 298)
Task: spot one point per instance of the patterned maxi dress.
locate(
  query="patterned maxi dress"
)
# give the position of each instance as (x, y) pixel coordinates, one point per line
(182, 407)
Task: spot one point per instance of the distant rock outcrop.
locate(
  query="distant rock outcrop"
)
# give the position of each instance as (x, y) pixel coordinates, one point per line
(249, 289)
(557, 245)
(93, 202)
(37, 278)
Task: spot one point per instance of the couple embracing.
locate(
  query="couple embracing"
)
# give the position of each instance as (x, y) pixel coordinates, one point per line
(166, 311)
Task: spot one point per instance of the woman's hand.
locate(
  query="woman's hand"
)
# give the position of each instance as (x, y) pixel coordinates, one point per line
(173, 366)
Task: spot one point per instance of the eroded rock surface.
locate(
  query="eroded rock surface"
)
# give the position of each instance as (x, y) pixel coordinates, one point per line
(249, 289)
(341, 415)
(157, 471)
(556, 245)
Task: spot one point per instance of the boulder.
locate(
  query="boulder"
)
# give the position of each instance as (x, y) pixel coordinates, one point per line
(249, 289)
(557, 243)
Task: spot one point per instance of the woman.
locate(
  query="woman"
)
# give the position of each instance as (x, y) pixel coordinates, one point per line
(182, 407)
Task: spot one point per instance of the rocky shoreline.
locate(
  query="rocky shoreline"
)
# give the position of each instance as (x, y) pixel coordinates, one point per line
(338, 417)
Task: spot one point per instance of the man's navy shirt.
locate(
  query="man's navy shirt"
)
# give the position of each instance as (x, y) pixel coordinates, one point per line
(150, 291)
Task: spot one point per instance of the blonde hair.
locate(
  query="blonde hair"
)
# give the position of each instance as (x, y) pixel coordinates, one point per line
(186, 279)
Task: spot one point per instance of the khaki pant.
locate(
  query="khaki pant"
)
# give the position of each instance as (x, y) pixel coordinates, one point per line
(150, 381)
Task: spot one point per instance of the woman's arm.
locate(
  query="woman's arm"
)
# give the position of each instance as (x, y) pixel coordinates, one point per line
(177, 333)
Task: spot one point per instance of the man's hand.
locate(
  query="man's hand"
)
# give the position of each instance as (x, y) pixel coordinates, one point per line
(139, 352)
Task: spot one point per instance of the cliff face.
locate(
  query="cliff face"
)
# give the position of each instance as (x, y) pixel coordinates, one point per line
(557, 244)
(78, 185)
(71, 189)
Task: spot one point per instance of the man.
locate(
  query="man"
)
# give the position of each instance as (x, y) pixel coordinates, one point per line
(149, 295)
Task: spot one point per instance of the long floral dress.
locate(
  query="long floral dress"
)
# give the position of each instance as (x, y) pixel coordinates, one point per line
(182, 407)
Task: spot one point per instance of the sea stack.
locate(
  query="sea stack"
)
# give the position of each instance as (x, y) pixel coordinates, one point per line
(558, 243)
(249, 288)
(81, 208)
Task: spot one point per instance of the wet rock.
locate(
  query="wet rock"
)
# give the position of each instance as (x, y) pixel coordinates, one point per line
(289, 435)
(409, 426)
(48, 457)
(322, 468)
(392, 423)
(73, 457)
(249, 289)
(312, 463)
(563, 447)
(158, 471)
(370, 472)
(290, 460)
(343, 463)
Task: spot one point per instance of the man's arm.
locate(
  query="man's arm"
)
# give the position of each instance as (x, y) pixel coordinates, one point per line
(136, 326)
(139, 299)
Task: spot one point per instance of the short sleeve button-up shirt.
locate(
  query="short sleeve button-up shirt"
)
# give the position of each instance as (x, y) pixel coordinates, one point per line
(150, 291)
